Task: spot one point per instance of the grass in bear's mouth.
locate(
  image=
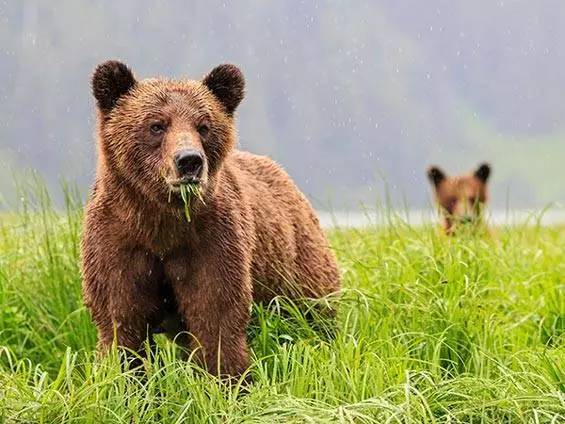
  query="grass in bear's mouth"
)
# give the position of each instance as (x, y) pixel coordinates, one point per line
(188, 191)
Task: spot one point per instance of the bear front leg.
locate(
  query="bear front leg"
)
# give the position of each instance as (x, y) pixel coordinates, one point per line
(121, 290)
(214, 297)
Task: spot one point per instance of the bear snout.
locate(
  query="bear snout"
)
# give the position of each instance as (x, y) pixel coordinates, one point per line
(189, 164)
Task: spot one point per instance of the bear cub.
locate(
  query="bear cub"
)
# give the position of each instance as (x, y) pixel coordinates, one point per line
(461, 198)
(252, 234)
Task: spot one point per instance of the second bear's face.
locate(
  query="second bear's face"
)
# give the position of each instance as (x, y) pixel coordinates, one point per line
(158, 134)
(461, 198)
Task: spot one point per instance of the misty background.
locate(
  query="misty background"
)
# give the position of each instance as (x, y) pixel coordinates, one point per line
(349, 97)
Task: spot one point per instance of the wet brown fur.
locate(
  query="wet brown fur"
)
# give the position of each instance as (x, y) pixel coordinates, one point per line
(253, 237)
(461, 198)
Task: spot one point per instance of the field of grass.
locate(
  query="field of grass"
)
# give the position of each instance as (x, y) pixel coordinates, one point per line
(430, 329)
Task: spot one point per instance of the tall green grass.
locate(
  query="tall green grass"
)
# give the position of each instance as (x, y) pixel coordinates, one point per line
(430, 329)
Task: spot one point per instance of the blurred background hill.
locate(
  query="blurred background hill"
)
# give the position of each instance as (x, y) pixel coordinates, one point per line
(345, 95)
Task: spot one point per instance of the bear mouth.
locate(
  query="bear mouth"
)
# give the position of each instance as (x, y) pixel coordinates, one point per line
(186, 192)
(176, 184)
(466, 220)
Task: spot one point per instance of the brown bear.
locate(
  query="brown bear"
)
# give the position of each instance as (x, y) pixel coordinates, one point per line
(252, 234)
(462, 198)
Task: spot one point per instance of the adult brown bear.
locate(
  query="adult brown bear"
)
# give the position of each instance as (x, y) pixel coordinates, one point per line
(252, 234)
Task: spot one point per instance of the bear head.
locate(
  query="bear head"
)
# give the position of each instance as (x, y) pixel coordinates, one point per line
(156, 135)
(461, 198)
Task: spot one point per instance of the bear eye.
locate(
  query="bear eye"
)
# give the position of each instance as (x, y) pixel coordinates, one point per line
(157, 128)
(203, 129)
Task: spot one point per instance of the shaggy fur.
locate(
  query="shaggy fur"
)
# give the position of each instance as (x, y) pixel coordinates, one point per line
(254, 235)
(461, 198)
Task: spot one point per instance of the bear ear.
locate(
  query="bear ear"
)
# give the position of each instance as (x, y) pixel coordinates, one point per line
(435, 175)
(110, 81)
(226, 82)
(483, 172)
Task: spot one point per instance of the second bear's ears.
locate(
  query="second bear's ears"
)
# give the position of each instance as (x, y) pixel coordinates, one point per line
(227, 84)
(435, 175)
(483, 172)
(110, 81)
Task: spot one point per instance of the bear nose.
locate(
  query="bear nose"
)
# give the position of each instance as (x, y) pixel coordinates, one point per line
(189, 163)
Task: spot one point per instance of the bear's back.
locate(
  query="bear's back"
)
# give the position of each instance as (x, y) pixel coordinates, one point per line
(268, 183)
(287, 231)
(262, 169)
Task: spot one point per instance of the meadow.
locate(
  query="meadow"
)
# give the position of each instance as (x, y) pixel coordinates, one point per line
(430, 329)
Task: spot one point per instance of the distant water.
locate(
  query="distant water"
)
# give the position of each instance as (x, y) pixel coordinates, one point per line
(358, 219)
